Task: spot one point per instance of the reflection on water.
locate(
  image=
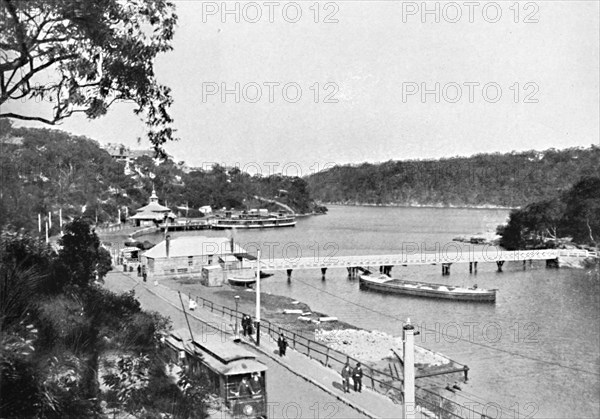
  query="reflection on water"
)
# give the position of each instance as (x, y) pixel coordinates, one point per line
(536, 349)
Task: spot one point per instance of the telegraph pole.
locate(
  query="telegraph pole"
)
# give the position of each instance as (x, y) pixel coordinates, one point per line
(258, 299)
(409, 371)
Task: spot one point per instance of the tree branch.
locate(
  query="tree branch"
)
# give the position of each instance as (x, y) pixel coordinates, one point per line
(20, 38)
(587, 221)
(28, 118)
(31, 73)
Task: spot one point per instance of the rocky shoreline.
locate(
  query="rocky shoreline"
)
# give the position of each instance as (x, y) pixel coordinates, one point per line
(415, 205)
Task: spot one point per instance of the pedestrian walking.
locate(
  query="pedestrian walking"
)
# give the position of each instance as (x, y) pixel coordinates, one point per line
(357, 375)
(250, 326)
(193, 304)
(246, 324)
(244, 327)
(282, 343)
(346, 374)
(139, 269)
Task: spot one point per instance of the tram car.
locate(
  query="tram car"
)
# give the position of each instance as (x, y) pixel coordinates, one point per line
(233, 372)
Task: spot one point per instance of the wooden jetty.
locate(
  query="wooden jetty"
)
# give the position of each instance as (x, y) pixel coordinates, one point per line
(472, 256)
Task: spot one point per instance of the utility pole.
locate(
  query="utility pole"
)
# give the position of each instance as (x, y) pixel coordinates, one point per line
(258, 299)
(186, 316)
(409, 371)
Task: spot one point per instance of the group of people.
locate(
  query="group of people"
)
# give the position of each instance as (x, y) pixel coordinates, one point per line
(356, 374)
(247, 327)
(250, 386)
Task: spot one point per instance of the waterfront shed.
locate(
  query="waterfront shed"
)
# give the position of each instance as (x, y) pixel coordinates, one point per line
(186, 256)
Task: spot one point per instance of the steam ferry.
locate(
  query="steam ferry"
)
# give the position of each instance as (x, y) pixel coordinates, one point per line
(253, 219)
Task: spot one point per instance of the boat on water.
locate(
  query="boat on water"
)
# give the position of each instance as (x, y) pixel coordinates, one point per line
(386, 284)
(254, 219)
(246, 281)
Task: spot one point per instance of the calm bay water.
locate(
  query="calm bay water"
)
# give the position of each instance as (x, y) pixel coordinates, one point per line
(535, 351)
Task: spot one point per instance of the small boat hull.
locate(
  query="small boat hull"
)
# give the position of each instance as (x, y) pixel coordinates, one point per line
(241, 282)
(427, 290)
(246, 282)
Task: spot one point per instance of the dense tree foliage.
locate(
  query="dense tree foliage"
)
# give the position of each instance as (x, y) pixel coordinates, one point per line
(575, 214)
(514, 179)
(43, 170)
(49, 169)
(57, 329)
(81, 57)
(81, 255)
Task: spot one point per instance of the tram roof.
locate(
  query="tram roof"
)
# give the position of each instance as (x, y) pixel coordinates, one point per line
(218, 352)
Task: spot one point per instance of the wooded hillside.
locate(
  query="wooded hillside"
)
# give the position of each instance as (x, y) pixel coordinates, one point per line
(511, 180)
(42, 170)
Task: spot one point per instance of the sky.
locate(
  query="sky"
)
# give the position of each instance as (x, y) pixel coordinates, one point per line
(343, 82)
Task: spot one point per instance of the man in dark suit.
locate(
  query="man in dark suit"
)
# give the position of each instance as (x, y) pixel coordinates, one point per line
(357, 375)
(282, 344)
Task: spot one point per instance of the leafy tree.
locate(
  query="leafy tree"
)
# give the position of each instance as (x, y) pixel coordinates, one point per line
(512, 234)
(575, 213)
(80, 252)
(130, 381)
(582, 214)
(104, 263)
(96, 53)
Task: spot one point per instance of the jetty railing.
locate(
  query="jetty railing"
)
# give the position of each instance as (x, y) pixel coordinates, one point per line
(484, 254)
(383, 382)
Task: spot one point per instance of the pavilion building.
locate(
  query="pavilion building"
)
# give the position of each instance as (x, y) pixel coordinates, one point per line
(152, 214)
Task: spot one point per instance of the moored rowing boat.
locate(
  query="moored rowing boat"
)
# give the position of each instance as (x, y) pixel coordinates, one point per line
(384, 283)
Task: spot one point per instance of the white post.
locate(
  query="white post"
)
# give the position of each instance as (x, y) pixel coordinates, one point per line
(50, 219)
(60, 218)
(258, 299)
(39, 222)
(410, 407)
(46, 232)
(119, 219)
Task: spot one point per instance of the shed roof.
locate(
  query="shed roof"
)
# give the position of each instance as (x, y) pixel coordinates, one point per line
(194, 246)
